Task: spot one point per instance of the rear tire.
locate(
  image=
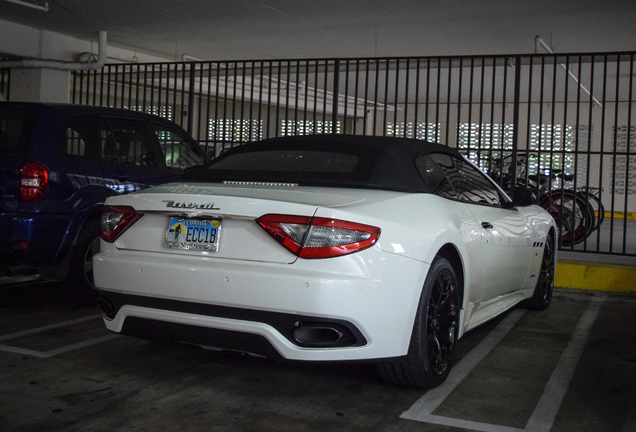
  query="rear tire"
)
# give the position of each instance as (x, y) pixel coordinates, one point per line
(80, 277)
(432, 346)
(542, 296)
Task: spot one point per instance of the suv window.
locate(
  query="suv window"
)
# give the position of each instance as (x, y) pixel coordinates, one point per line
(177, 148)
(128, 142)
(14, 127)
(80, 138)
(455, 178)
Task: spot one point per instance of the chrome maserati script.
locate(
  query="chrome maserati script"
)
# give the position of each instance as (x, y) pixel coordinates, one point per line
(191, 205)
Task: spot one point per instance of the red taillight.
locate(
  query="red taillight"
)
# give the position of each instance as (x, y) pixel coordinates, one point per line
(116, 220)
(314, 237)
(34, 177)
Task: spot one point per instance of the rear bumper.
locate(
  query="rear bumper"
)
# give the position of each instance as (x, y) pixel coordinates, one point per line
(31, 238)
(257, 307)
(230, 328)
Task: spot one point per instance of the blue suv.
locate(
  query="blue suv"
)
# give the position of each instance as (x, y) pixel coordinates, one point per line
(58, 163)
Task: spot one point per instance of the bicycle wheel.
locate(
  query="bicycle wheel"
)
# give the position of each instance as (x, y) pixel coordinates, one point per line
(573, 215)
(597, 206)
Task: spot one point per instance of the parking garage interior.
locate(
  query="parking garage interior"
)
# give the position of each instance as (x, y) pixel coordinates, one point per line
(548, 88)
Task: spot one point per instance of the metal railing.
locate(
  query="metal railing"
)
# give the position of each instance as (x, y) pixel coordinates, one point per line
(574, 113)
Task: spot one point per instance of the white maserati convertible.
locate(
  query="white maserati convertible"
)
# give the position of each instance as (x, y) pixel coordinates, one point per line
(325, 248)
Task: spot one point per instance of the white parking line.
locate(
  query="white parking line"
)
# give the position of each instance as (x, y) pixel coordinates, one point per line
(57, 351)
(422, 409)
(546, 410)
(549, 404)
(42, 329)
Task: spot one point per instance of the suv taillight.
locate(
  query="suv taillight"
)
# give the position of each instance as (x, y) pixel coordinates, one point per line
(34, 178)
(315, 237)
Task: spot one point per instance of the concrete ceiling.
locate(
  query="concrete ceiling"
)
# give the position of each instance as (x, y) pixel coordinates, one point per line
(290, 29)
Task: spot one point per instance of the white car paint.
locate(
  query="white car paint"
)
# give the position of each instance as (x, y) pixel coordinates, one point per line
(376, 289)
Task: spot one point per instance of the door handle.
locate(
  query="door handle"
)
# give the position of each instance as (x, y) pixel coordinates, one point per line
(487, 225)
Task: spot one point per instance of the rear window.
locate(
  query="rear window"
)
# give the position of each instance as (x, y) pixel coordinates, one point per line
(326, 161)
(296, 161)
(311, 167)
(15, 125)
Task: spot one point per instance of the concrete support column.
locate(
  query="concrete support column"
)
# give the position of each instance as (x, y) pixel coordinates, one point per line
(40, 85)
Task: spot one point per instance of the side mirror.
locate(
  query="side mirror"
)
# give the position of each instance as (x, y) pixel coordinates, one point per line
(522, 197)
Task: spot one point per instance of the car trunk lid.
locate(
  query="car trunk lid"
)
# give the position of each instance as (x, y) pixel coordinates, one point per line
(175, 214)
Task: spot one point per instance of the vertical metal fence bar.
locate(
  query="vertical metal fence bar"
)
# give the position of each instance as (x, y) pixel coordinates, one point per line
(416, 100)
(279, 88)
(188, 110)
(356, 85)
(208, 107)
(459, 122)
(427, 101)
(93, 85)
(602, 144)
(297, 104)
(375, 97)
(406, 99)
(224, 119)
(234, 127)
(75, 94)
(335, 97)
(615, 152)
(366, 98)
(493, 101)
(86, 76)
(160, 91)
(142, 79)
(396, 91)
(481, 120)
(197, 98)
(515, 120)
(448, 100)
(471, 84)
(590, 154)
(259, 98)
(629, 152)
(347, 114)
(528, 122)
(151, 90)
(116, 87)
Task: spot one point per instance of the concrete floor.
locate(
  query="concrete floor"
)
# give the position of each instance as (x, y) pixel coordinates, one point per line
(570, 368)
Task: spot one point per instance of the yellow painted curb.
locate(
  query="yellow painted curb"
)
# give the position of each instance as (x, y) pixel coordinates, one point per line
(619, 215)
(595, 277)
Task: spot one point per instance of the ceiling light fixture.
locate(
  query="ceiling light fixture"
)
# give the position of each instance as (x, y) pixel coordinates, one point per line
(33, 5)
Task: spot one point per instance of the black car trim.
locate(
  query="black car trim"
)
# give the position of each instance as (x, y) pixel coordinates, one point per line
(284, 323)
(161, 331)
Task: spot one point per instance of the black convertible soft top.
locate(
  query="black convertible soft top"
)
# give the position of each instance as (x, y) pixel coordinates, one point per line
(353, 161)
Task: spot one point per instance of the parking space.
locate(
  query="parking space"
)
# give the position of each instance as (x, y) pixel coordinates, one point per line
(570, 368)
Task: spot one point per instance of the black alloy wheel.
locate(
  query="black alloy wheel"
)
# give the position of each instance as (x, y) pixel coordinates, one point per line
(435, 331)
(442, 322)
(542, 296)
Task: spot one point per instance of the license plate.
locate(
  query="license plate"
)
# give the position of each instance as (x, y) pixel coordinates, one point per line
(193, 234)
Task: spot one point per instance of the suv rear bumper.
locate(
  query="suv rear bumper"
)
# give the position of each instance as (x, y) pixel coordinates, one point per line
(31, 238)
